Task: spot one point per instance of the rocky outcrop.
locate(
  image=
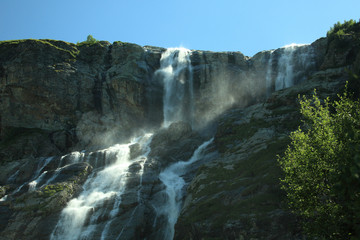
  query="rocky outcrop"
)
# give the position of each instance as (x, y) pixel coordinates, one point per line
(31, 212)
(176, 143)
(57, 86)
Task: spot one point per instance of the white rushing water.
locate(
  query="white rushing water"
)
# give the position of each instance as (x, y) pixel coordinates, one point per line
(172, 179)
(104, 188)
(176, 72)
(79, 218)
(294, 61)
(36, 178)
(269, 71)
(285, 77)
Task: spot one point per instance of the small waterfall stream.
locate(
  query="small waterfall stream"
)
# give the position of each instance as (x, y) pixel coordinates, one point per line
(172, 179)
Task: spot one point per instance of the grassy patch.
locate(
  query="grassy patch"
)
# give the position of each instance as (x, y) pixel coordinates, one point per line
(50, 190)
(68, 48)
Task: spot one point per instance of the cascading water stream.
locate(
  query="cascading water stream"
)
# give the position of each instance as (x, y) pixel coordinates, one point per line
(172, 179)
(176, 72)
(178, 103)
(37, 176)
(284, 78)
(100, 198)
(102, 194)
(294, 61)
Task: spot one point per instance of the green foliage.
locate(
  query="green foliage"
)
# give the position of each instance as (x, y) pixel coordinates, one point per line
(90, 40)
(50, 190)
(322, 168)
(340, 30)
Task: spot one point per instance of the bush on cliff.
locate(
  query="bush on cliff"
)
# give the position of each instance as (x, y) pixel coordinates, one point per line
(322, 168)
(341, 29)
(341, 33)
(89, 41)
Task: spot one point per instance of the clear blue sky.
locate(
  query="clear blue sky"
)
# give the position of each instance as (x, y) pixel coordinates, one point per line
(248, 26)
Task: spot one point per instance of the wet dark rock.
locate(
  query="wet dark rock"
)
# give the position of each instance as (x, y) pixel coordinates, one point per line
(33, 214)
(135, 150)
(72, 171)
(175, 143)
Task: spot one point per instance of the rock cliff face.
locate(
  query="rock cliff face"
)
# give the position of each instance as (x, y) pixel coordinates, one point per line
(63, 105)
(101, 91)
(57, 86)
(226, 79)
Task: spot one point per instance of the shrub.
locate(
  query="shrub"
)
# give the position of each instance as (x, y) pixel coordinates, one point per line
(89, 41)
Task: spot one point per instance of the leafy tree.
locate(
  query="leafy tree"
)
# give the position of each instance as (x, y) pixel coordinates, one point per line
(322, 168)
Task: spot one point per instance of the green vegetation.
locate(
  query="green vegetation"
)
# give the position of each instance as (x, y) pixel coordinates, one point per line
(322, 168)
(90, 40)
(67, 48)
(50, 190)
(339, 30)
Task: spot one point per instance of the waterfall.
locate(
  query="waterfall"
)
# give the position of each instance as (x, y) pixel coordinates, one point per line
(294, 61)
(37, 177)
(284, 78)
(92, 214)
(176, 73)
(268, 77)
(101, 196)
(172, 179)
